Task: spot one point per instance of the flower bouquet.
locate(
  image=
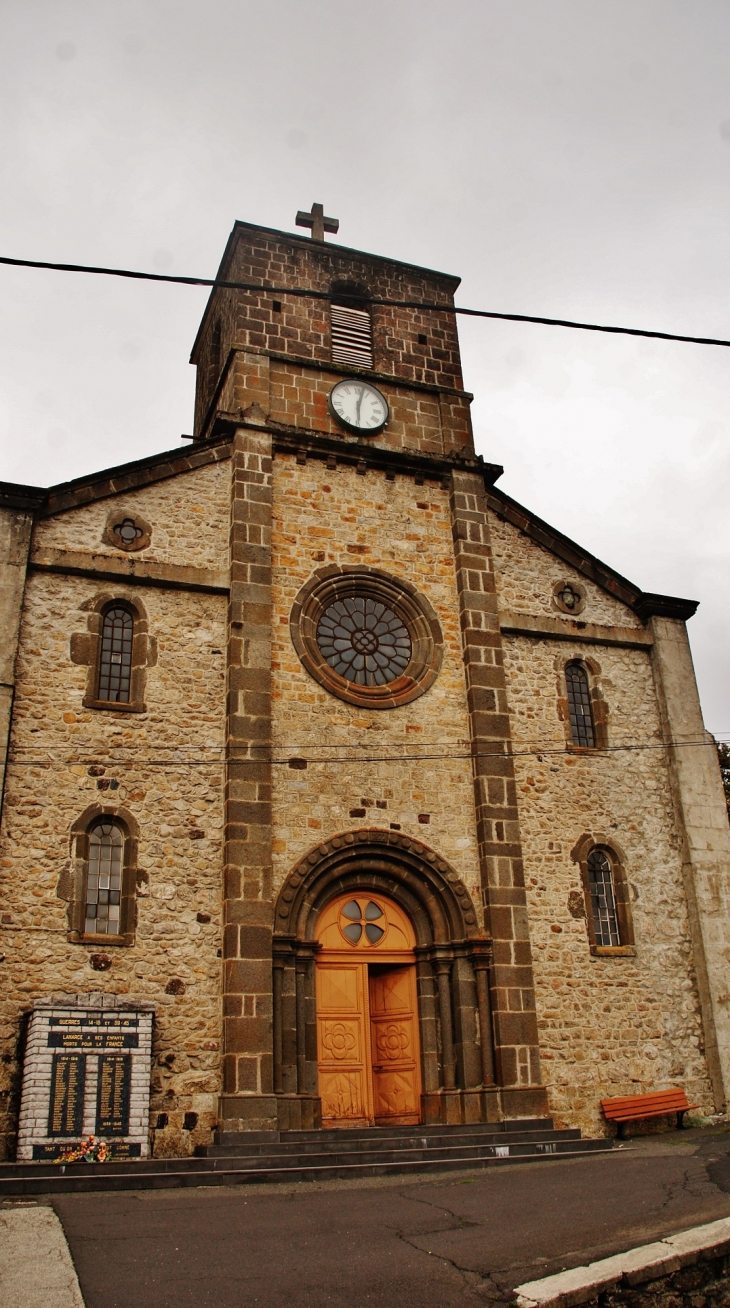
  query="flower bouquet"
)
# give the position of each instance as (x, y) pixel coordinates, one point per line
(90, 1150)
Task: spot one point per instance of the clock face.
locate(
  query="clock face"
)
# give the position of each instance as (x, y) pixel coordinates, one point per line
(358, 406)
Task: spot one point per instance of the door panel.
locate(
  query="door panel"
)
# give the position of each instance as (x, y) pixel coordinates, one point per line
(394, 1041)
(367, 1013)
(342, 1037)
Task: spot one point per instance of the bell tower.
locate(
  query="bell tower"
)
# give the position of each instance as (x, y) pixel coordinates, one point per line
(362, 625)
(260, 346)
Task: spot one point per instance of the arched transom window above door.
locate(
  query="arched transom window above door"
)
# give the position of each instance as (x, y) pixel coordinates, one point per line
(363, 923)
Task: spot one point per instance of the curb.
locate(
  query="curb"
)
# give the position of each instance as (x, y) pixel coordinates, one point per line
(647, 1263)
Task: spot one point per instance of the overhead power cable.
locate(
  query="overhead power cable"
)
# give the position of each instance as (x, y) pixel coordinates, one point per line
(309, 293)
(537, 751)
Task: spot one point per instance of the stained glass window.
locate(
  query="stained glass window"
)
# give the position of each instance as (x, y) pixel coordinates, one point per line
(364, 640)
(354, 915)
(569, 597)
(579, 706)
(128, 531)
(603, 899)
(115, 664)
(104, 879)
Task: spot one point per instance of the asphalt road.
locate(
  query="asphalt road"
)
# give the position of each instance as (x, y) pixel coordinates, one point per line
(461, 1240)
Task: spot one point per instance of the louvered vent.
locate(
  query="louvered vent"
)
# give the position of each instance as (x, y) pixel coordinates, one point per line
(352, 336)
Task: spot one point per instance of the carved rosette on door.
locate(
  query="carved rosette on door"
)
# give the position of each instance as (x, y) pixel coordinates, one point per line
(369, 1064)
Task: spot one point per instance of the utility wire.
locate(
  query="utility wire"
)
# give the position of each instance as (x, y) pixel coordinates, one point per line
(326, 295)
(535, 752)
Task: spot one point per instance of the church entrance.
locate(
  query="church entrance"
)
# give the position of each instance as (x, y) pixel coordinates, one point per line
(367, 1014)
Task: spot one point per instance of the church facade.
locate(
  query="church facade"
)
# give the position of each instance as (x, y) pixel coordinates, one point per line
(389, 801)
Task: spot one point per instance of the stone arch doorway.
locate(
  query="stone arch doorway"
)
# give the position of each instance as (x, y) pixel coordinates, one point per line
(451, 955)
(368, 1047)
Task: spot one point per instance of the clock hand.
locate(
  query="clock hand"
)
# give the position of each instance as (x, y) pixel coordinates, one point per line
(357, 416)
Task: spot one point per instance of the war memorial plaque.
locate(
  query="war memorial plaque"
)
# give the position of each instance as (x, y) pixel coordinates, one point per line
(86, 1072)
(112, 1094)
(66, 1107)
(92, 1040)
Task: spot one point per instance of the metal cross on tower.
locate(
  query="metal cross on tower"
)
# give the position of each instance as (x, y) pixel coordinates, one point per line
(317, 221)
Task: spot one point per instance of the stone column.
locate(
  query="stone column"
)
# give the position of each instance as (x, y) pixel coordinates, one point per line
(302, 967)
(16, 524)
(704, 832)
(427, 1005)
(480, 963)
(248, 1101)
(443, 979)
(464, 1001)
(279, 966)
(500, 851)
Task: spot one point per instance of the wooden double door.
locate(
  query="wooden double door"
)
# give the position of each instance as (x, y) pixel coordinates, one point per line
(367, 1014)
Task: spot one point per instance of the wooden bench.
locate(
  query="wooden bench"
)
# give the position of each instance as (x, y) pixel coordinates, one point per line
(632, 1108)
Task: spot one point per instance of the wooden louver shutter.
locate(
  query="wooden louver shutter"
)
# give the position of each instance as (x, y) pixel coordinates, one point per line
(352, 336)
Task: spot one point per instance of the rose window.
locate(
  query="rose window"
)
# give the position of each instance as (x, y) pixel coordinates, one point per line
(355, 919)
(128, 531)
(364, 641)
(368, 637)
(570, 597)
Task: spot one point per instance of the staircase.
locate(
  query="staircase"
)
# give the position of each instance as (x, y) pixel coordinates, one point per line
(258, 1157)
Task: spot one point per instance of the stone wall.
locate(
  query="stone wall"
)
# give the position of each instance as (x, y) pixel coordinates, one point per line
(163, 767)
(608, 1025)
(188, 515)
(15, 532)
(324, 516)
(527, 574)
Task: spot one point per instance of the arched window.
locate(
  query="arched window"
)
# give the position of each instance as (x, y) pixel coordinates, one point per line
(102, 884)
(607, 893)
(115, 660)
(104, 880)
(602, 892)
(582, 726)
(117, 651)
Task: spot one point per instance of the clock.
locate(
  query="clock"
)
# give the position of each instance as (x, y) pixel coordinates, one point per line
(358, 406)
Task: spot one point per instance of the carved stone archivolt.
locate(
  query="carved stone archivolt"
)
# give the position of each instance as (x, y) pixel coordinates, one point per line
(453, 958)
(370, 638)
(427, 887)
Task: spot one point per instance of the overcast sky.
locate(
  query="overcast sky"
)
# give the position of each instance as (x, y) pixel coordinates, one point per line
(568, 158)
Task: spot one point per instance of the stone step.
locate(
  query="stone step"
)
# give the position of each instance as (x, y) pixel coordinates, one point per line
(237, 1144)
(344, 1157)
(42, 1178)
(436, 1128)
